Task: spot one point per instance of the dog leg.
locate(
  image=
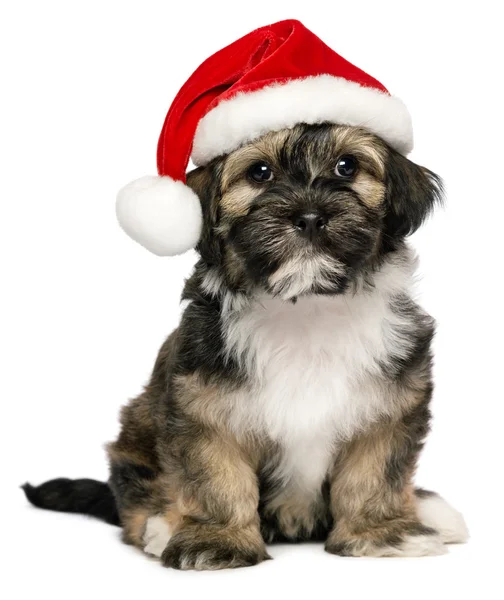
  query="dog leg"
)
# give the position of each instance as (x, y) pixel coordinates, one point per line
(217, 499)
(372, 497)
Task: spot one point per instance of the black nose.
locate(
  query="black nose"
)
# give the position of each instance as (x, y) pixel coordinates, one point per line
(309, 225)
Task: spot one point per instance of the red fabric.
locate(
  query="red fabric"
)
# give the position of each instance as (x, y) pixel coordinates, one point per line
(272, 54)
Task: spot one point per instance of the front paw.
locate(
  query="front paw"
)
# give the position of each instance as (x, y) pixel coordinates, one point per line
(209, 548)
(421, 541)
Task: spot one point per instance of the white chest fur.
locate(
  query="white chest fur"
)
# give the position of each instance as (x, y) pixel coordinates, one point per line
(314, 368)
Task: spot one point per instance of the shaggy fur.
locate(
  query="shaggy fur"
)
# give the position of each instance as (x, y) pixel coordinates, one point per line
(292, 402)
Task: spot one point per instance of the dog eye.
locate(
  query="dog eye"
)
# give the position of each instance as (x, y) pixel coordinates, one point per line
(346, 166)
(260, 172)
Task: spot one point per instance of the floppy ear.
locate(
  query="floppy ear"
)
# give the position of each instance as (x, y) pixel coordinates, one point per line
(411, 194)
(205, 181)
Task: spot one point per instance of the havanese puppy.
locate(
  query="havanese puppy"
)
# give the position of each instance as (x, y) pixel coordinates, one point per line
(292, 402)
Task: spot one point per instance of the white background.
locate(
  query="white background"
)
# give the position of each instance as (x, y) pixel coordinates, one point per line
(85, 89)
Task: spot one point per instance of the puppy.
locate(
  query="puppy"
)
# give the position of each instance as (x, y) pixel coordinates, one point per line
(292, 402)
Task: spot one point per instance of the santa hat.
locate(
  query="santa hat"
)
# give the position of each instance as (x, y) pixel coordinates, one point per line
(271, 79)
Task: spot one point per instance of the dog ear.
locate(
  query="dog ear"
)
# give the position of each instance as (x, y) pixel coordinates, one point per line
(411, 194)
(205, 182)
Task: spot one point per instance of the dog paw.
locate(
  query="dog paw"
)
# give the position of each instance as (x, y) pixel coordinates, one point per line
(425, 544)
(187, 552)
(417, 545)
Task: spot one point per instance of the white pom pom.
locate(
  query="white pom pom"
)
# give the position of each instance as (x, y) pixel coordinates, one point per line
(161, 214)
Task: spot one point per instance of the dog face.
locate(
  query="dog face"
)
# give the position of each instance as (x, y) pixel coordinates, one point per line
(308, 210)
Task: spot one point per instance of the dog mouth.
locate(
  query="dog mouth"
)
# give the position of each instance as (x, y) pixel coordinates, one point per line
(312, 251)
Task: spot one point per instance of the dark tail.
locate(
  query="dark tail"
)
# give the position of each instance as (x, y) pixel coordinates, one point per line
(85, 496)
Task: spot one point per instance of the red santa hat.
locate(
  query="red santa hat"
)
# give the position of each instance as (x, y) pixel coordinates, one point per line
(271, 79)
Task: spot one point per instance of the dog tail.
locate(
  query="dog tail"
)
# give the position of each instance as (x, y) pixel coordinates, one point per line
(85, 496)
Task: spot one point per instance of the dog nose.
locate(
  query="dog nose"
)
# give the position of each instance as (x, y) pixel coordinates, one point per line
(309, 225)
